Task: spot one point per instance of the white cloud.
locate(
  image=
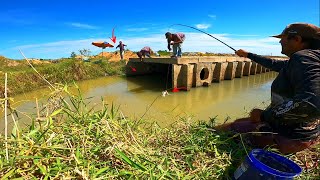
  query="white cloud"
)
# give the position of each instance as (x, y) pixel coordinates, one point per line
(212, 16)
(83, 26)
(195, 42)
(203, 26)
(54, 49)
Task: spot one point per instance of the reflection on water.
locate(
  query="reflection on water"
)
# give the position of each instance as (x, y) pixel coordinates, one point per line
(135, 95)
(225, 99)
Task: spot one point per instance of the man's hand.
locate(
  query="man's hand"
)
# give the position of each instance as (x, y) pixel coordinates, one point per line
(242, 53)
(172, 43)
(255, 115)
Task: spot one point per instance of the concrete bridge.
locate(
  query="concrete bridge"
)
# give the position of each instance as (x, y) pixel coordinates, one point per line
(188, 72)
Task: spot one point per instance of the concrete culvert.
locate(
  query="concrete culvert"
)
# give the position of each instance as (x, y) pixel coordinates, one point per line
(204, 74)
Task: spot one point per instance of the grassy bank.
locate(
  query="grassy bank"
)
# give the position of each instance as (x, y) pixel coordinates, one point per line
(70, 140)
(22, 78)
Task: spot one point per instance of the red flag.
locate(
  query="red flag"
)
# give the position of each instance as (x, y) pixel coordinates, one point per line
(133, 69)
(113, 38)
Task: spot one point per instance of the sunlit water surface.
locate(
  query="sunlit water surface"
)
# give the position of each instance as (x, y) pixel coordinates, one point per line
(142, 96)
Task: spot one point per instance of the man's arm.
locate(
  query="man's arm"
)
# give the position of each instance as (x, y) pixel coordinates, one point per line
(275, 65)
(169, 44)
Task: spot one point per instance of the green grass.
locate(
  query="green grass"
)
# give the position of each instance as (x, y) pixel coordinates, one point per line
(72, 140)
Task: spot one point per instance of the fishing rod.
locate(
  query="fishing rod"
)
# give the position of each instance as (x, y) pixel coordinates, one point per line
(206, 34)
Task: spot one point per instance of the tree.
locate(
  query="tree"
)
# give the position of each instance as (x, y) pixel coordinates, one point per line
(85, 52)
(73, 54)
(163, 53)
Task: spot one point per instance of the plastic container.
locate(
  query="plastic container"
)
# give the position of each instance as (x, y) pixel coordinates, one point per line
(264, 165)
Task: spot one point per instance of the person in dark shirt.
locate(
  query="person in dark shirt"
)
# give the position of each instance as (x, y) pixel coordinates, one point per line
(121, 47)
(176, 41)
(293, 117)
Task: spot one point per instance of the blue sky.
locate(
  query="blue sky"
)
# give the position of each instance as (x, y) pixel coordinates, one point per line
(54, 29)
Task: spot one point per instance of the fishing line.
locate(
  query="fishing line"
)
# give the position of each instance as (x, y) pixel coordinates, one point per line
(206, 34)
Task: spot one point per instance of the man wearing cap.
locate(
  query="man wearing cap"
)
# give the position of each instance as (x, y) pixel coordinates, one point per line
(292, 120)
(176, 41)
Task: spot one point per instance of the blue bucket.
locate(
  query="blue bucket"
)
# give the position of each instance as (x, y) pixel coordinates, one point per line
(265, 165)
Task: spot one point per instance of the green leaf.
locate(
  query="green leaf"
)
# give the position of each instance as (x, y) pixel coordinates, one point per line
(56, 112)
(125, 173)
(32, 132)
(78, 153)
(129, 161)
(65, 89)
(8, 174)
(42, 135)
(100, 171)
(29, 157)
(42, 168)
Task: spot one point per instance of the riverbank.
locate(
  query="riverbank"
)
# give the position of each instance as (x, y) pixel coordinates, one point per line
(22, 78)
(69, 140)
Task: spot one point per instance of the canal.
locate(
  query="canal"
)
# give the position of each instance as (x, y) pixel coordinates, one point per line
(142, 96)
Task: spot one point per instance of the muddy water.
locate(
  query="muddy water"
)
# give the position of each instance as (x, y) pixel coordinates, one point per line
(142, 96)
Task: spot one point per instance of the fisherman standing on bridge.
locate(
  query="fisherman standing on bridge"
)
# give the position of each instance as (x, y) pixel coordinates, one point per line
(176, 41)
(292, 120)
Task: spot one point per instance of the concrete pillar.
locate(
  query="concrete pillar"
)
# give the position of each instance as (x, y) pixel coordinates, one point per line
(239, 69)
(263, 69)
(259, 69)
(182, 76)
(253, 69)
(188, 70)
(219, 71)
(176, 76)
(247, 67)
(231, 70)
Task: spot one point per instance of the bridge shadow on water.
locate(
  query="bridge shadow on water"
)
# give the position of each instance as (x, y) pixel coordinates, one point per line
(157, 81)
